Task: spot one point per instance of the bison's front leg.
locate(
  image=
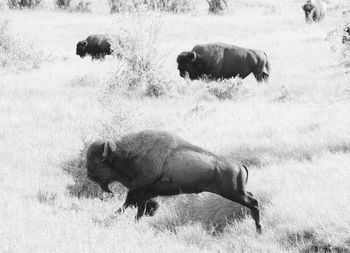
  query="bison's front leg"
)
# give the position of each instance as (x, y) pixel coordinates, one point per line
(139, 198)
(129, 201)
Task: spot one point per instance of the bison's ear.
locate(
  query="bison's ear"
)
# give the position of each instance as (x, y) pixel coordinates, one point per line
(108, 149)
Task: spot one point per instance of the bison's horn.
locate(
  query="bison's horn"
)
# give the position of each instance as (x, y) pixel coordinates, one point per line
(105, 150)
(194, 56)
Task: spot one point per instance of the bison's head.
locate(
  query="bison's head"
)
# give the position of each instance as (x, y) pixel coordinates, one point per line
(347, 29)
(308, 7)
(81, 48)
(99, 164)
(189, 63)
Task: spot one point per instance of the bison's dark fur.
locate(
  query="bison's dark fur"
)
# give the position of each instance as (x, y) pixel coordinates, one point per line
(314, 11)
(219, 61)
(96, 45)
(157, 163)
(346, 34)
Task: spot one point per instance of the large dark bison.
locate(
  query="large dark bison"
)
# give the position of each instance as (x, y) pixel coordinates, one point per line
(96, 45)
(220, 60)
(314, 10)
(157, 163)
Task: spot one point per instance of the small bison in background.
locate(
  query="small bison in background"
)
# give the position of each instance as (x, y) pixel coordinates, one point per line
(314, 11)
(346, 34)
(157, 163)
(96, 45)
(221, 61)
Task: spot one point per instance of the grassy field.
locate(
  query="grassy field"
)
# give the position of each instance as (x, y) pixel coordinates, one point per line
(293, 132)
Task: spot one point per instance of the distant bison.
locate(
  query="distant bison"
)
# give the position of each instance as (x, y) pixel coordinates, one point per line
(96, 45)
(157, 163)
(314, 11)
(346, 34)
(220, 61)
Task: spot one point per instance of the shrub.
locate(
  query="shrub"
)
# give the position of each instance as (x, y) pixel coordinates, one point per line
(118, 6)
(217, 6)
(225, 89)
(83, 6)
(63, 4)
(16, 52)
(79, 6)
(171, 5)
(13, 4)
(141, 71)
(175, 6)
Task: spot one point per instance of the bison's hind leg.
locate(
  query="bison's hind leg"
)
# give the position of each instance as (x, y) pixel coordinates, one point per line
(151, 207)
(246, 199)
(147, 208)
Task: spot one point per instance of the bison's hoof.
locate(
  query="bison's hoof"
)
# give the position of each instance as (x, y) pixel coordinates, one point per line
(120, 210)
(259, 229)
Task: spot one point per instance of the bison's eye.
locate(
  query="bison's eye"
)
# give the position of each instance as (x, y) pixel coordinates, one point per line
(99, 161)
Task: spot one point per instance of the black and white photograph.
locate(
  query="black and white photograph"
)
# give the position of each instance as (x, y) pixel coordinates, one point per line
(174, 126)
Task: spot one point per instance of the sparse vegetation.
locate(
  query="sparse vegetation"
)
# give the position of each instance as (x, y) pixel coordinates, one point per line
(13, 4)
(63, 4)
(141, 70)
(15, 52)
(225, 89)
(175, 6)
(217, 6)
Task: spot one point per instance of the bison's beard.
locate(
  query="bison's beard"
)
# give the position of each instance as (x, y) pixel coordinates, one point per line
(105, 188)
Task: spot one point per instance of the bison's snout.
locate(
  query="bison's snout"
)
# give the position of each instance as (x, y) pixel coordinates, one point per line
(105, 188)
(183, 73)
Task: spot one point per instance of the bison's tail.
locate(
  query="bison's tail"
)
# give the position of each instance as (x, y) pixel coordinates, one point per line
(268, 66)
(246, 169)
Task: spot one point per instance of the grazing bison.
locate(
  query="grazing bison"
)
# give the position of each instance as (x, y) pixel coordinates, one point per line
(314, 11)
(96, 45)
(346, 34)
(219, 61)
(157, 163)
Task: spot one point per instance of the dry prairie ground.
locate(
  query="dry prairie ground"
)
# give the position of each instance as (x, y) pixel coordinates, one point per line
(293, 132)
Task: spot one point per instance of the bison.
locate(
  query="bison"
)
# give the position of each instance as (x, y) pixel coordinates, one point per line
(346, 34)
(314, 11)
(97, 45)
(156, 163)
(220, 61)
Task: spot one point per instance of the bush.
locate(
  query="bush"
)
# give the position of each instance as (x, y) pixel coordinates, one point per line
(175, 6)
(83, 6)
(140, 71)
(13, 4)
(171, 5)
(63, 4)
(80, 6)
(217, 6)
(225, 89)
(15, 52)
